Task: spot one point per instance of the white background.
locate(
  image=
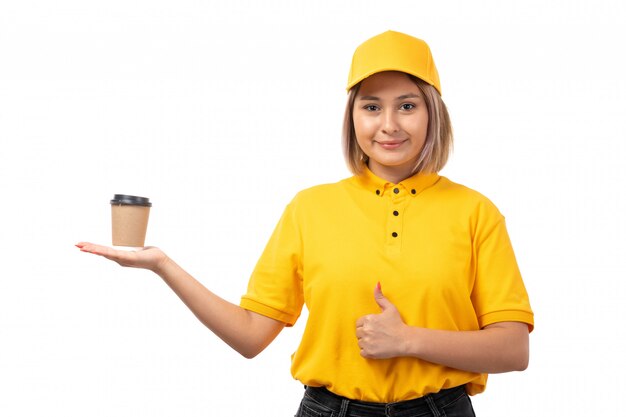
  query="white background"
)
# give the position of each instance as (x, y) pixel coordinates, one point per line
(220, 112)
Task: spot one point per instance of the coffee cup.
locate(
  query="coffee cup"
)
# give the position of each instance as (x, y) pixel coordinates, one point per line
(129, 220)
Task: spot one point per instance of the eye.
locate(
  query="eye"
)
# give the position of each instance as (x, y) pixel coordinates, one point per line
(407, 106)
(370, 107)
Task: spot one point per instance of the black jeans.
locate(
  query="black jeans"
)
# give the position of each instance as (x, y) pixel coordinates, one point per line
(453, 402)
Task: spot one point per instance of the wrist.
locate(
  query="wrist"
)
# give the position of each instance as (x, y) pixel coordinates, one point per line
(411, 341)
(162, 265)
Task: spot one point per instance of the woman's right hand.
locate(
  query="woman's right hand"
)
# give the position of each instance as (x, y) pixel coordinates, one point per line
(245, 331)
(149, 257)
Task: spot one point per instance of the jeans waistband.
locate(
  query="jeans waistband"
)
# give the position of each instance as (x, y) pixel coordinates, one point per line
(343, 406)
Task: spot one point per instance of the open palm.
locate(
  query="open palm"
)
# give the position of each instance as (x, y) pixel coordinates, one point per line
(149, 257)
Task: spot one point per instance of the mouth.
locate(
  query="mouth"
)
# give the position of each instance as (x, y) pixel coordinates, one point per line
(391, 144)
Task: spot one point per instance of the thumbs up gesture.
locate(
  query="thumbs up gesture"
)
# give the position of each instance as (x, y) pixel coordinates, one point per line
(383, 335)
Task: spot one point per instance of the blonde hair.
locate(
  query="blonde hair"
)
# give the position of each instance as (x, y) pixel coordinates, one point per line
(439, 137)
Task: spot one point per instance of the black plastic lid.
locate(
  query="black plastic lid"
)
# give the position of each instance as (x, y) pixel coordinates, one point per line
(130, 200)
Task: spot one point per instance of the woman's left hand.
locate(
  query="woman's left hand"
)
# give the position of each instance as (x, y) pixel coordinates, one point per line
(382, 336)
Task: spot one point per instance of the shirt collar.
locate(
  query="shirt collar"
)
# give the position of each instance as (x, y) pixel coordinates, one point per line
(412, 185)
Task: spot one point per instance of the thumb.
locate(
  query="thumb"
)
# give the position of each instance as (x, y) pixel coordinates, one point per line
(380, 298)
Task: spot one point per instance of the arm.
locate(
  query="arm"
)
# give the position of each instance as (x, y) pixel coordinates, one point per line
(499, 347)
(245, 331)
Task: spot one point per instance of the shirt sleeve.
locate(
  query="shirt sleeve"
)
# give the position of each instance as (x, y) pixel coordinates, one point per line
(499, 293)
(275, 287)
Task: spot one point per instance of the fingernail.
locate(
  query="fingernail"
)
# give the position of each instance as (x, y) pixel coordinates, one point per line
(378, 286)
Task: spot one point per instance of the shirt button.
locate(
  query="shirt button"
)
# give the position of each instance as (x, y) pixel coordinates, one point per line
(396, 191)
(395, 212)
(413, 191)
(377, 192)
(394, 234)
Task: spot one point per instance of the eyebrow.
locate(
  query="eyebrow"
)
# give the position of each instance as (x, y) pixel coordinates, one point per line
(402, 97)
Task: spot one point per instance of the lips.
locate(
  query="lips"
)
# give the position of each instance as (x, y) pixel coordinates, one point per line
(391, 144)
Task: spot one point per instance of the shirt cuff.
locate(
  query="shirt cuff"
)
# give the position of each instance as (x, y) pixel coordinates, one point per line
(265, 310)
(508, 315)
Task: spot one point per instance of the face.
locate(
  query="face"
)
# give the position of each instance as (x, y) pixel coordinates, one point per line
(390, 121)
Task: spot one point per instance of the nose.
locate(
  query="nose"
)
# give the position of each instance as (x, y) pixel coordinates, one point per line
(389, 122)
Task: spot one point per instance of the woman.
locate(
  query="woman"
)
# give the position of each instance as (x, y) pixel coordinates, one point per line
(454, 307)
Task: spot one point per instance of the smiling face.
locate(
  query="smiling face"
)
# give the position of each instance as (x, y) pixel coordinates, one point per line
(390, 123)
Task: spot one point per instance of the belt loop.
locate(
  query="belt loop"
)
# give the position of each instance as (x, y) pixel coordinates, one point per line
(431, 404)
(343, 412)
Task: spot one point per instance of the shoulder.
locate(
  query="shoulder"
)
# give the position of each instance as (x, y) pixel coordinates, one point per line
(321, 192)
(464, 198)
(456, 190)
(319, 201)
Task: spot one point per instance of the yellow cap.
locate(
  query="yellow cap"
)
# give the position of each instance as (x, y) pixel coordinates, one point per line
(393, 51)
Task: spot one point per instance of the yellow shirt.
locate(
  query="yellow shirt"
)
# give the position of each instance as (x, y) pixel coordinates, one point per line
(440, 251)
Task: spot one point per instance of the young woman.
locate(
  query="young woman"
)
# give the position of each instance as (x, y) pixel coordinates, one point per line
(411, 283)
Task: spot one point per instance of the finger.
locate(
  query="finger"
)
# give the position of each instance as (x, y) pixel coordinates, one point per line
(381, 300)
(362, 322)
(120, 256)
(105, 251)
(86, 247)
(93, 248)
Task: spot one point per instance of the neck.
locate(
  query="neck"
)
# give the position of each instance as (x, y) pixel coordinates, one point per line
(394, 175)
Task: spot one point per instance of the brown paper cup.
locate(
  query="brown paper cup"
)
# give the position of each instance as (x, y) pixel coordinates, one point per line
(129, 220)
